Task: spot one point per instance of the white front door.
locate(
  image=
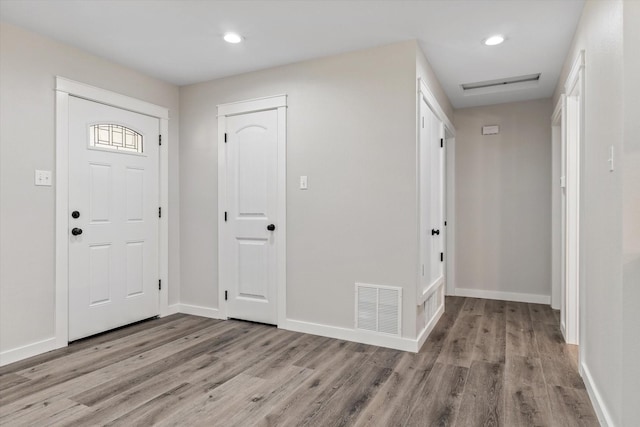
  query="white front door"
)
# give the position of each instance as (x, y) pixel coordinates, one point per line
(113, 222)
(248, 269)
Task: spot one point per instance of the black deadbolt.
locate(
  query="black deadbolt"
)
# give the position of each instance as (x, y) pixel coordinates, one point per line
(271, 227)
(75, 214)
(435, 232)
(76, 231)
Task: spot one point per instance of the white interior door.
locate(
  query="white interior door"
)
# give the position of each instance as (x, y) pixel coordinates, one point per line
(250, 241)
(437, 200)
(431, 198)
(113, 225)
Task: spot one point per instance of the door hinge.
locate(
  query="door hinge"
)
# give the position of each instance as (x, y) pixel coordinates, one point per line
(159, 284)
(159, 139)
(423, 122)
(225, 137)
(226, 295)
(445, 223)
(159, 211)
(441, 142)
(225, 216)
(441, 256)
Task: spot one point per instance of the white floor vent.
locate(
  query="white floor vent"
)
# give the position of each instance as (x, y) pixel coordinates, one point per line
(379, 308)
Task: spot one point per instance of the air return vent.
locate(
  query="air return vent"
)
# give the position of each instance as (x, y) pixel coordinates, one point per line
(501, 85)
(379, 308)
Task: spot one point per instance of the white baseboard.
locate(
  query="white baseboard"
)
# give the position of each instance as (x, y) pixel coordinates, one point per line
(504, 296)
(29, 350)
(197, 310)
(604, 417)
(364, 337)
(172, 309)
(424, 334)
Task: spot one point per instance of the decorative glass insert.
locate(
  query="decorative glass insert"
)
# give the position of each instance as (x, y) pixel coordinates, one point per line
(115, 137)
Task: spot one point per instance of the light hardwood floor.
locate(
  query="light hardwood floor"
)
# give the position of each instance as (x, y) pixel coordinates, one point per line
(487, 363)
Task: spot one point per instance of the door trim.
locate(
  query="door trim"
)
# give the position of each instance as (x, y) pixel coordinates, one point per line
(574, 137)
(557, 188)
(64, 89)
(448, 188)
(279, 103)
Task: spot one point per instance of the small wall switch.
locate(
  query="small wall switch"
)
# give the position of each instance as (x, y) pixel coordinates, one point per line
(43, 178)
(610, 159)
(303, 183)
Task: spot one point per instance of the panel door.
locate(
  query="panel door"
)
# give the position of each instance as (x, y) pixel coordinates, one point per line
(431, 177)
(437, 230)
(251, 233)
(113, 222)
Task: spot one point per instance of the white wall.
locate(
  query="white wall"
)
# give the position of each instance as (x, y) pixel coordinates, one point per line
(28, 66)
(600, 34)
(631, 216)
(352, 131)
(503, 199)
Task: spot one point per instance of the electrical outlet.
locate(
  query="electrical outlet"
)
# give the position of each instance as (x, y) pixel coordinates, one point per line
(303, 183)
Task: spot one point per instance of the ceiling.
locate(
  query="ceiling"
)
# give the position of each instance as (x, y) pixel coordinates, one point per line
(180, 41)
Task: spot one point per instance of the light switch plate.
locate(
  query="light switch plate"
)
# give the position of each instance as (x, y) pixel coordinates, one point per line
(43, 178)
(610, 160)
(303, 183)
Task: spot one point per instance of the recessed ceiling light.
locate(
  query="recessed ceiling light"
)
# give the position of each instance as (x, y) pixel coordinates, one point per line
(232, 38)
(494, 40)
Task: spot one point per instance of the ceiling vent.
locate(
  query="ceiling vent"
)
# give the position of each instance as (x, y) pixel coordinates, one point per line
(501, 85)
(379, 308)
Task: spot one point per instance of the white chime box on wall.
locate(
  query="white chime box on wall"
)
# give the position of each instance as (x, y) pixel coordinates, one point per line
(491, 130)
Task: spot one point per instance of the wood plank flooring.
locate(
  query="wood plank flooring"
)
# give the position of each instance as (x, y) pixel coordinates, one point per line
(487, 363)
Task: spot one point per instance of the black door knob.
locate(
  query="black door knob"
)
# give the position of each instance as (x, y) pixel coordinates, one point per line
(434, 232)
(271, 227)
(75, 214)
(76, 231)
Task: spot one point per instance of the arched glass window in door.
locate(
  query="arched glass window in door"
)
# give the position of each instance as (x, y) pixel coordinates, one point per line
(115, 137)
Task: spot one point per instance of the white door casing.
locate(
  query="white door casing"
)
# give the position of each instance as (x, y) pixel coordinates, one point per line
(573, 140)
(65, 90)
(558, 207)
(252, 224)
(113, 264)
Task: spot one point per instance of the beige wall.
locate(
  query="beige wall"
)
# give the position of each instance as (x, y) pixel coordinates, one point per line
(28, 66)
(631, 215)
(352, 131)
(600, 34)
(503, 198)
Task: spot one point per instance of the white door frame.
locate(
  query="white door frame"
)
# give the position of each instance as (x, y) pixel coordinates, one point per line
(448, 187)
(64, 89)
(558, 179)
(279, 103)
(574, 137)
